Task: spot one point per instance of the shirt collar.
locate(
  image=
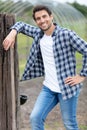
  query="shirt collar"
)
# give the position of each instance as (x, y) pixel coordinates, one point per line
(55, 32)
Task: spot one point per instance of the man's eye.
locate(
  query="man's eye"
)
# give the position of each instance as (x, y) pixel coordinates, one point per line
(37, 19)
(44, 16)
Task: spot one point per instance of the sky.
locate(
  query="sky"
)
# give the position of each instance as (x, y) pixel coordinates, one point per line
(82, 2)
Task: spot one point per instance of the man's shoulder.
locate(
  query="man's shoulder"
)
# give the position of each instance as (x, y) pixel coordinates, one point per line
(64, 31)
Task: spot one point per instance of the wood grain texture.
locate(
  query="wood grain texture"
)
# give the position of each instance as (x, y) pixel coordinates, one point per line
(9, 104)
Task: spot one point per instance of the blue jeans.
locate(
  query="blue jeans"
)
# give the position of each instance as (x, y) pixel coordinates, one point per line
(46, 101)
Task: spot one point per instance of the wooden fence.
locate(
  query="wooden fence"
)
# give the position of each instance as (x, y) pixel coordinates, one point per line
(9, 74)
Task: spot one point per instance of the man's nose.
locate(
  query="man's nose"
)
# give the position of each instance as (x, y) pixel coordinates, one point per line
(42, 20)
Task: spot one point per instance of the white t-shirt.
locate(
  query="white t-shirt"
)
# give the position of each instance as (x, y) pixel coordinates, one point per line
(51, 81)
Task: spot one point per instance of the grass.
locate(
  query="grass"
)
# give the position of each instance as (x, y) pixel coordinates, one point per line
(79, 62)
(60, 126)
(24, 44)
(83, 127)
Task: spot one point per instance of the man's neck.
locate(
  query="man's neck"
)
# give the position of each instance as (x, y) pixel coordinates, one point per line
(50, 30)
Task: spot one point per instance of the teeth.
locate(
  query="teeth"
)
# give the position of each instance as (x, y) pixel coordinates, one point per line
(43, 25)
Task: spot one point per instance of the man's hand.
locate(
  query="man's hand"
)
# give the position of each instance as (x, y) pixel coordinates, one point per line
(74, 80)
(10, 40)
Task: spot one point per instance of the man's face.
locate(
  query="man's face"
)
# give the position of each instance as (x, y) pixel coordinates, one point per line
(43, 20)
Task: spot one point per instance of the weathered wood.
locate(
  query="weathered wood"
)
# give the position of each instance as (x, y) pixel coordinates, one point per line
(1, 69)
(9, 105)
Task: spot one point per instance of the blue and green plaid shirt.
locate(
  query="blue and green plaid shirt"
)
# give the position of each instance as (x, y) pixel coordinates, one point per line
(66, 43)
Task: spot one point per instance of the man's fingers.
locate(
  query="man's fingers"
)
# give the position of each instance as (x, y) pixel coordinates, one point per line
(74, 80)
(71, 82)
(67, 80)
(9, 41)
(7, 44)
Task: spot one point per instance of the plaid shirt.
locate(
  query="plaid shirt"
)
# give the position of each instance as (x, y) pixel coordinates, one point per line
(66, 43)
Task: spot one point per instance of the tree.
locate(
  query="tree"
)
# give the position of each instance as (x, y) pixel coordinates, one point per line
(81, 8)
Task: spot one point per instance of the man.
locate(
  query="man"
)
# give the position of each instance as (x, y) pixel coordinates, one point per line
(52, 55)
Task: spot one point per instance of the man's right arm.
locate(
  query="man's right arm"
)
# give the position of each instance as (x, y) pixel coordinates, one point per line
(19, 27)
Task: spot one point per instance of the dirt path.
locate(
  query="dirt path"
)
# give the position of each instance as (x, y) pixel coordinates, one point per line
(53, 122)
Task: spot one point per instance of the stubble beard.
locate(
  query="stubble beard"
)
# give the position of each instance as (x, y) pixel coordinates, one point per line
(47, 28)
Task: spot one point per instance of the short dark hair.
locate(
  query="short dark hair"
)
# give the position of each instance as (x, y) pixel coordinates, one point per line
(39, 8)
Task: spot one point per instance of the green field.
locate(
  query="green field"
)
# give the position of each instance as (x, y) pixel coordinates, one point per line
(24, 43)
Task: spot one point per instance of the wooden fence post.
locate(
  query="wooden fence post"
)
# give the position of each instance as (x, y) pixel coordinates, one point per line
(9, 74)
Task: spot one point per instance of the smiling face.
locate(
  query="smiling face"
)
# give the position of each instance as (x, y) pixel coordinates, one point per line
(43, 20)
